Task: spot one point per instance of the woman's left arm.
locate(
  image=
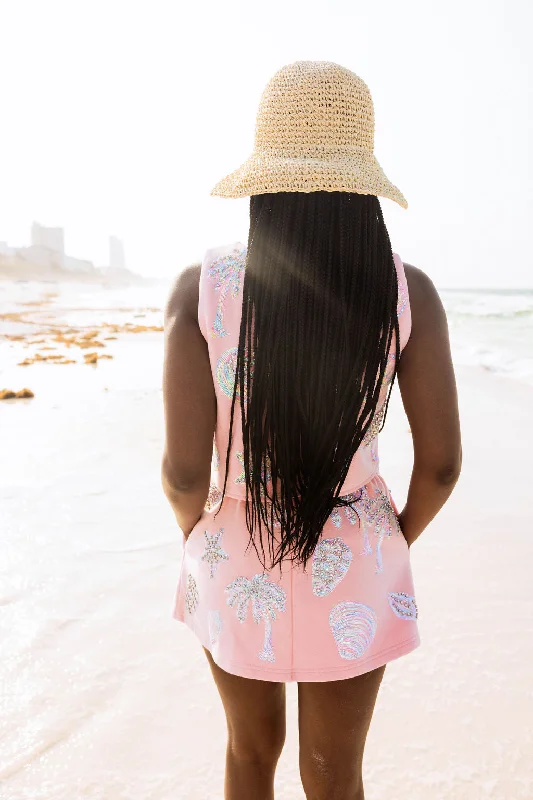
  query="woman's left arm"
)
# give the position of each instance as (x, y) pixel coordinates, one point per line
(190, 404)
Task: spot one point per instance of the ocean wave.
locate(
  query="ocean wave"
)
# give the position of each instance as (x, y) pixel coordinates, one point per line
(489, 305)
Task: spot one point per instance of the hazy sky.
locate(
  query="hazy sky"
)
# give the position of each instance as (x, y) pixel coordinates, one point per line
(119, 117)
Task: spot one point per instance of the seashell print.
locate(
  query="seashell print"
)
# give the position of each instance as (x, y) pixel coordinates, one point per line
(214, 621)
(191, 595)
(353, 626)
(403, 605)
(331, 560)
(225, 370)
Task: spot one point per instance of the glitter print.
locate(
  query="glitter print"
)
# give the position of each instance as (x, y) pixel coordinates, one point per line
(402, 298)
(213, 498)
(403, 605)
(266, 598)
(331, 560)
(379, 513)
(349, 512)
(191, 595)
(353, 626)
(225, 370)
(213, 552)
(374, 513)
(227, 274)
(242, 477)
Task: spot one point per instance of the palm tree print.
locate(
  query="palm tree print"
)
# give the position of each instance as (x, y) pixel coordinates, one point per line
(372, 512)
(266, 598)
(227, 273)
(379, 513)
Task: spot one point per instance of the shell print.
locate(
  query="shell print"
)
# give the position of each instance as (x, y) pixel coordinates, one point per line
(331, 560)
(403, 605)
(353, 626)
(225, 371)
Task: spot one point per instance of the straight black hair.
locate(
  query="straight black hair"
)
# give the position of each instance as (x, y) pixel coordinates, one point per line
(319, 314)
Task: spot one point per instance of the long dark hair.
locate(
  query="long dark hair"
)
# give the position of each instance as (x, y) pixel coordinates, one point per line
(319, 313)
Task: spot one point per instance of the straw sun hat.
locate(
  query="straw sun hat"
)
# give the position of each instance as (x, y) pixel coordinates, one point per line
(314, 132)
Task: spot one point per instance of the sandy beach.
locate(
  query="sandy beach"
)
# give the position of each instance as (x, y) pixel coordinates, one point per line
(106, 697)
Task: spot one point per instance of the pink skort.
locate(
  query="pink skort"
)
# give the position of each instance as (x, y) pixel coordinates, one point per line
(352, 609)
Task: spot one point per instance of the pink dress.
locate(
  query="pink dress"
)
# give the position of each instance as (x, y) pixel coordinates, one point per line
(353, 608)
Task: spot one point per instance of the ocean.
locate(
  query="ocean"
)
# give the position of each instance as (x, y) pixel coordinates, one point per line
(491, 329)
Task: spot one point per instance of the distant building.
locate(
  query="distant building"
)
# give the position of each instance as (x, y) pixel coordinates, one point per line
(117, 258)
(6, 250)
(46, 240)
(78, 264)
(40, 256)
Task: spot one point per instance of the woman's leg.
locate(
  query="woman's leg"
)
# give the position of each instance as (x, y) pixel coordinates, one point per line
(255, 715)
(333, 721)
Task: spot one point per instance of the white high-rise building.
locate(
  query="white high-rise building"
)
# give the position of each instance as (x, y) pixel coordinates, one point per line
(117, 259)
(49, 244)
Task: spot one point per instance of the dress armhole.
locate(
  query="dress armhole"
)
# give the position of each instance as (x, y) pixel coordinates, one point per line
(203, 309)
(404, 306)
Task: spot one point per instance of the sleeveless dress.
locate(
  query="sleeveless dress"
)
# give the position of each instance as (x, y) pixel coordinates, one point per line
(353, 608)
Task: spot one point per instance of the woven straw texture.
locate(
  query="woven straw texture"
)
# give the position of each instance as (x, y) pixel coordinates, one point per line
(314, 132)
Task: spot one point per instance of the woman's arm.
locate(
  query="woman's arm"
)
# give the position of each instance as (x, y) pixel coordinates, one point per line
(190, 404)
(429, 394)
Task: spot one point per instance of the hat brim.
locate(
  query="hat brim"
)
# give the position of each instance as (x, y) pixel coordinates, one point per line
(262, 174)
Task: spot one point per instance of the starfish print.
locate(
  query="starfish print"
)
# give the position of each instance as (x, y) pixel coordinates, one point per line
(213, 552)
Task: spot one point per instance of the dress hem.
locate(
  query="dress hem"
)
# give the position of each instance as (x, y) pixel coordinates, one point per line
(303, 675)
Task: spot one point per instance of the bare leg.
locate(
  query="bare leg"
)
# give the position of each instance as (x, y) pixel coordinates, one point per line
(333, 720)
(255, 715)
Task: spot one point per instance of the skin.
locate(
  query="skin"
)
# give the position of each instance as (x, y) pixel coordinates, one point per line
(429, 394)
(334, 717)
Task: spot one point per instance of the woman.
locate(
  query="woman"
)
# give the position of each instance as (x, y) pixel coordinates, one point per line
(280, 358)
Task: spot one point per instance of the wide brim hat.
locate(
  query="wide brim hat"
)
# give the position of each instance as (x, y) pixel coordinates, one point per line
(314, 132)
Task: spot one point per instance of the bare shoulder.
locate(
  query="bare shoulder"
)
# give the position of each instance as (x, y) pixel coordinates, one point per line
(424, 299)
(183, 296)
